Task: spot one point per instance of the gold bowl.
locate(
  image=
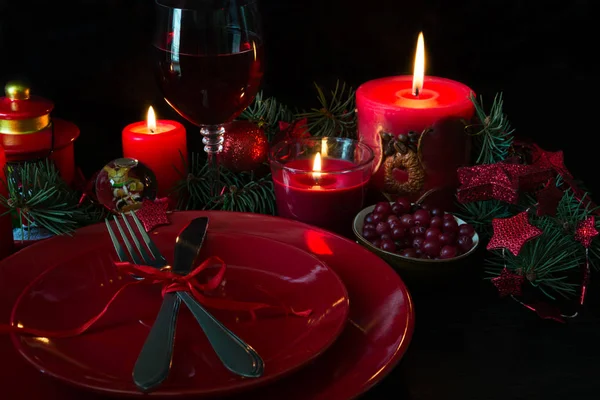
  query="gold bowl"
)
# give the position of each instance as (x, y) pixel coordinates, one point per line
(416, 268)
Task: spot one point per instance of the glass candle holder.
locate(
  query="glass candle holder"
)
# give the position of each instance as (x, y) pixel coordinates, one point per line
(321, 181)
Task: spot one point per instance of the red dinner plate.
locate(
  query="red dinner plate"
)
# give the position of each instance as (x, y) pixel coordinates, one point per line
(80, 284)
(381, 319)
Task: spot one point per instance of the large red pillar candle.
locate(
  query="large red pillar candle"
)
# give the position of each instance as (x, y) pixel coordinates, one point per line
(161, 146)
(6, 231)
(321, 181)
(403, 108)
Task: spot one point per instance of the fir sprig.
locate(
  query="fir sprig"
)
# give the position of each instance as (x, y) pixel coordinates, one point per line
(39, 196)
(336, 115)
(241, 192)
(492, 134)
(267, 113)
(481, 213)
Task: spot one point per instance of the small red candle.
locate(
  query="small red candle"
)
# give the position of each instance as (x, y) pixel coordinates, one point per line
(400, 104)
(322, 190)
(6, 231)
(161, 146)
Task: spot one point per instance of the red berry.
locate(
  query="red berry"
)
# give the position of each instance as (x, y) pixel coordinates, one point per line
(450, 225)
(402, 206)
(398, 233)
(466, 230)
(385, 236)
(378, 217)
(425, 206)
(447, 217)
(446, 238)
(422, 217)
(433, 233)
(391, 218)
(383, 207)
(436, 212)
(408, 252)
(465, 243)
(436, 222)
(417, 231)
(369, 218)
(369, 226)
(407, 220)
(369, 234)
(432, 247)
(388, 245)
(382, 227)
(448, 251)
(376, 243)
(417, 242)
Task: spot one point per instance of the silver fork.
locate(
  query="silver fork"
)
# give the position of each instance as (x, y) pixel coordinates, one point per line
(229, 348)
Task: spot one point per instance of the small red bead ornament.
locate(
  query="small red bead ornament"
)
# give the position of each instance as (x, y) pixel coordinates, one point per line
(586, 231)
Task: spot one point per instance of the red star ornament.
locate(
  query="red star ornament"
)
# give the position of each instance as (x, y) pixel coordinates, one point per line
(548, 199)
(153, 213)
(512, 233)
(527, 177)
(586, 230)
(509, 283)
(548, 159)
(486, 182)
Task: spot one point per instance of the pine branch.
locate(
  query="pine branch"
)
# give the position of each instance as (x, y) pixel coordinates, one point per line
(336, 116)
(481, 213)
(548, 261)
(493, 135)
(241, 192)
(38, 196)
(267, 113)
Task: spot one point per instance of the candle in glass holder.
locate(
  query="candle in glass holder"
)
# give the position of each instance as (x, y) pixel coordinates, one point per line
(161, 146)
(410, 104)
(321, 181)
(6, 231)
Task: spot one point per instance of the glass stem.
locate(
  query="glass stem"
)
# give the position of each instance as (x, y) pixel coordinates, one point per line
(212, 138)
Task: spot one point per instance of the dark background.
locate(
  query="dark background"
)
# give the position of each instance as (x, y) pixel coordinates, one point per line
(89, 57)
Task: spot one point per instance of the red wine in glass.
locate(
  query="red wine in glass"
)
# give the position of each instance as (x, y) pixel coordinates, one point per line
(210, 89)
(208, 55)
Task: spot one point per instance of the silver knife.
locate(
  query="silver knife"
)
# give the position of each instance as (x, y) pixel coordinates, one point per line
(154, 361)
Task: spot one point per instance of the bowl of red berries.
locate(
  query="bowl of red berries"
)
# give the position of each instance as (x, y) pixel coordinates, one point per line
(415, 238)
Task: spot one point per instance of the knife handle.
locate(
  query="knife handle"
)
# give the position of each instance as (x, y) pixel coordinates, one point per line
(237, 356)
(154, 361)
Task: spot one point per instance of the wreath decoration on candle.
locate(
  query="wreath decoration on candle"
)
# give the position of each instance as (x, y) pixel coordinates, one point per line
(401, 155)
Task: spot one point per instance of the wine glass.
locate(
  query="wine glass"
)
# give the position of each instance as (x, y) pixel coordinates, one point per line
(209, 58)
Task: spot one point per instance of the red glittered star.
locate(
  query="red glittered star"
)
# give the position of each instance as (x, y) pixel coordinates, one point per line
(548, 199)
(527, 177)
(512, 233)
(486, 182)
(153, 213)
(586, 230)
(509, 283)
(548, 159)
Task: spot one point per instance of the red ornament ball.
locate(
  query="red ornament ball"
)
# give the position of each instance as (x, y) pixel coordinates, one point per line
(245, 147)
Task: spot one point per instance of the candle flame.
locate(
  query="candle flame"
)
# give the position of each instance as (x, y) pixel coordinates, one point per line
(317, 166)
(419, 68)
(151, 120)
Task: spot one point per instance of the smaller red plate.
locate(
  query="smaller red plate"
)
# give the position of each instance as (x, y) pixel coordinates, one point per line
(102, 359)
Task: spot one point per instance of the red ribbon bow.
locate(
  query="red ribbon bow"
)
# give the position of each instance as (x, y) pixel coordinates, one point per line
(171, 282)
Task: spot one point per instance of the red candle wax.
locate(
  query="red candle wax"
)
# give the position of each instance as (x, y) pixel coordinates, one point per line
(162, 147)
(389, 105)
(328, 199)
(6, 231)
